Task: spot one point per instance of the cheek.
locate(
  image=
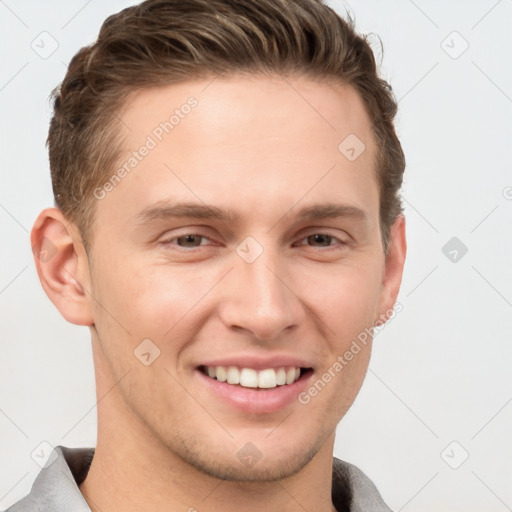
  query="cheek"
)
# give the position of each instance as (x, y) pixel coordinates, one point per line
(159, 302)
(138, 297)
(345, 298)
(164, 303)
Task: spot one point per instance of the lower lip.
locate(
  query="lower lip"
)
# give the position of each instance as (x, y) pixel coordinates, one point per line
(257, 400)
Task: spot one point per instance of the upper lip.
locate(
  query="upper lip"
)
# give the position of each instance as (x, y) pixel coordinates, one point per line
(259, 362)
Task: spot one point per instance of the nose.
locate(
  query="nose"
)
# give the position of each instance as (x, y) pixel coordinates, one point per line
(260, 298)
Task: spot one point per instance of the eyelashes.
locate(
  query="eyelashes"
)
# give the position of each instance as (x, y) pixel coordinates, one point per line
(197, 236)
(328, 236)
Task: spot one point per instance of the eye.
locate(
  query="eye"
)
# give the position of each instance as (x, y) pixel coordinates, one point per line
(189, 240)
(323, 240)
(194, 240)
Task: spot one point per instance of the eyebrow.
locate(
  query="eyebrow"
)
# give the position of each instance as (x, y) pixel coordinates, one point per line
(166, 210)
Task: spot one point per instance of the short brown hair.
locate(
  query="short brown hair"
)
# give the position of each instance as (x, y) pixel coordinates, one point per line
(161, 42)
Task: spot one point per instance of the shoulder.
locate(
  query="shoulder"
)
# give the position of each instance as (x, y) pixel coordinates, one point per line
(56, 487)
(350, 484)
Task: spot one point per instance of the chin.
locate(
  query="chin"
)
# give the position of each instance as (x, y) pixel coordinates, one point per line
(249, 464)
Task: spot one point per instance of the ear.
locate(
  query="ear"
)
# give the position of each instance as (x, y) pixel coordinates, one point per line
(393, 268)
(62, 265)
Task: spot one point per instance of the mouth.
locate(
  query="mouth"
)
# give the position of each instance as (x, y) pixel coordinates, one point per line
(251, 383)
(265, 379)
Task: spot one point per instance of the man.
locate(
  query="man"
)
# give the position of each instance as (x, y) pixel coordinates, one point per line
(228, 226)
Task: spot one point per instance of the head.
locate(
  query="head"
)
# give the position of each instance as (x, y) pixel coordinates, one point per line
(270, 116)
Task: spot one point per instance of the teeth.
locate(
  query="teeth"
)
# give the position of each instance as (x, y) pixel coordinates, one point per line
(221, 373)
(233, 375)
(250, 378)
(281, 376)
(267, 378)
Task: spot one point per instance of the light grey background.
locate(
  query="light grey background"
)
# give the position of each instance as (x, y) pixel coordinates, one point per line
(441, 369)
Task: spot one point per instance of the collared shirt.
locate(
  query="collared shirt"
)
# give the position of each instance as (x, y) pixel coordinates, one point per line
(56, 487)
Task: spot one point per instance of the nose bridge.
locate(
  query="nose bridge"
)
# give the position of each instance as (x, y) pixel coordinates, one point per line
(260, 299)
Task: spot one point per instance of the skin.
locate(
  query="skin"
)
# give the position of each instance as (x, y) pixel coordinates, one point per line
(256, 147)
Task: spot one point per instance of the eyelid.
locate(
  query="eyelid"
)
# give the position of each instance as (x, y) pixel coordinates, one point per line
(326, 230)
(339, 240)
(167, 240)
(301, 237)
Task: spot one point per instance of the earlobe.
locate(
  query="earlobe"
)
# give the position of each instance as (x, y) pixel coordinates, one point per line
(393, 268)
(62, 265)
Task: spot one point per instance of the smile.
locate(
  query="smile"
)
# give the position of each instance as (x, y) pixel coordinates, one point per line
(252, 378)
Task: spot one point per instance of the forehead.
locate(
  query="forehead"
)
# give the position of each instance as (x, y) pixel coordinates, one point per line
(258, 142)
(267, 106)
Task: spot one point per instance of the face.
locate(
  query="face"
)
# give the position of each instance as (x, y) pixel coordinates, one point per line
(242, 244)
